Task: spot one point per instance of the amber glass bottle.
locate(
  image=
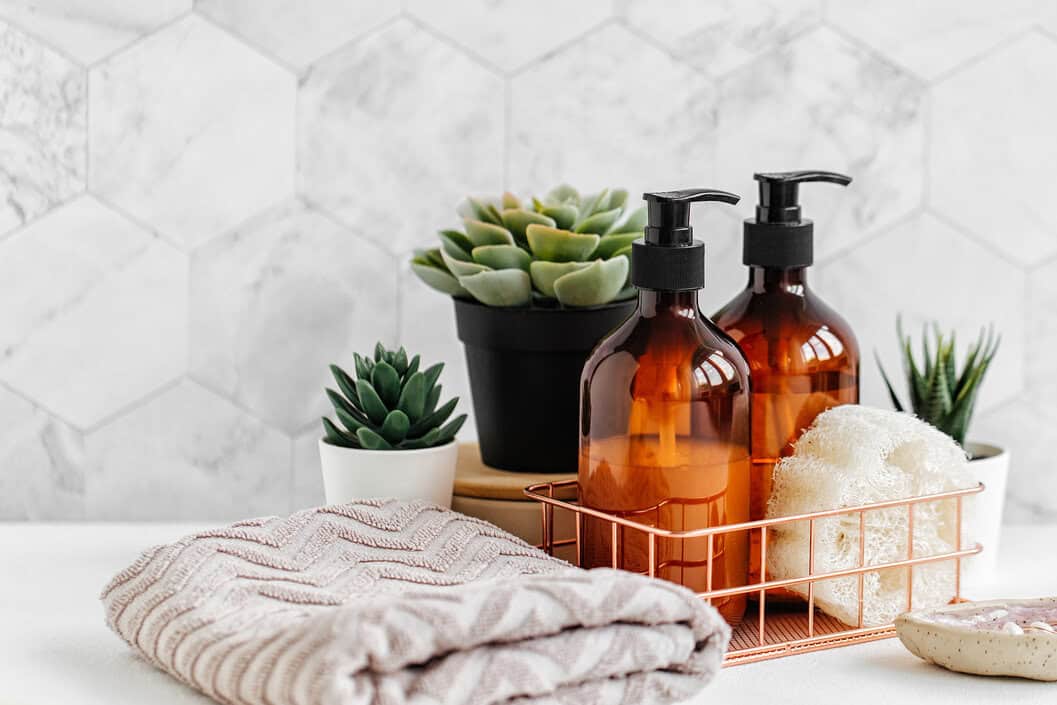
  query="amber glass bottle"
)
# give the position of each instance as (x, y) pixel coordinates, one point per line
(802, 355)
(665, 419)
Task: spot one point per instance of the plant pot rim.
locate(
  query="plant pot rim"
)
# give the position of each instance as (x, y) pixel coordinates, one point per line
(982, 450)
(545, 309)
(401, 451)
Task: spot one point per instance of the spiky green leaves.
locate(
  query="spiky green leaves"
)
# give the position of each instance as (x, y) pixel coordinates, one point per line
(514, 253)
(390, 404)
(939, 393)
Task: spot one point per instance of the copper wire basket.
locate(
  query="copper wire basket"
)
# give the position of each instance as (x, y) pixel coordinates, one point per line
(766, 633)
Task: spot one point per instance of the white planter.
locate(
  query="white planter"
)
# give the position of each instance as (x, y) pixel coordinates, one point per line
(354, 473)
(983, 517)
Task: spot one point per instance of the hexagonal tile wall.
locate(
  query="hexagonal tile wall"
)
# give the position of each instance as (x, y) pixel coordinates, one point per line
(1026, 430)
(610, 110)
(42, 464)
(511, 34)
(186, 453)
(931, 38)
(822, 102)
(196, 161)
(298, 31)
(719, 35)
(395, 130)
(274, 302)
(103, 274)
(941, 276)
(42, 150)
(986, 152)
(308, 475)
(1042, 336)
(90, 31)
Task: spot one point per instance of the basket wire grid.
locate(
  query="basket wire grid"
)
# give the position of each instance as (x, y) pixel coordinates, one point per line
(765, 632)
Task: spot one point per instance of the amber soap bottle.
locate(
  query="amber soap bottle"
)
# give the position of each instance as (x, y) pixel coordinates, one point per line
(664, 418)
(802, 355)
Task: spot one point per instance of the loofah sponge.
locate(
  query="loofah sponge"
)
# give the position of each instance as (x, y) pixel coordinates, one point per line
(855, 455)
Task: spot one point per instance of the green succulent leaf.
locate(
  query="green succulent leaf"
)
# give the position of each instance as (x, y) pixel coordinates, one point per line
(557, 245)
(509, 200)
(564, 216)
(386, 382)
(341, 403)
(595, 203)
(562, 193)
(352, 422)
(636, 221)
(412, 368)
(335, 436)
(610, 245)
(412, 399)
(504, 287)
(456, 244)
(599, 223)
(463, 269)
(439, 279)
(502, 257)
(544, 274)
(431, 438)
(517, 219)
(485, 212)
(432, 399)
(370, 401)
(593, 285)
(448, 431)
(345, 383)
(395, 426)
(481, 233)
(379, 352)
(372, 440)
(434, 418)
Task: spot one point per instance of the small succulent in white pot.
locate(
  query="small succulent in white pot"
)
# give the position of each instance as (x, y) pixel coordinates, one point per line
(392, 437)
(944, 394)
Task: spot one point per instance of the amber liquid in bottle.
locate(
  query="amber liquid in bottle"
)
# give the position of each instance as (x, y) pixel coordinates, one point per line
(665, 441)
(803, 358)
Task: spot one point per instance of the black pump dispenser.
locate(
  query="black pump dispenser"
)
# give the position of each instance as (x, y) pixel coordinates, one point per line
(669, 258)
(779, 237)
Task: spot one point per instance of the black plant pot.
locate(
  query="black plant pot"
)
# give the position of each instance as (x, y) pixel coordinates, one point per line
(525, 366)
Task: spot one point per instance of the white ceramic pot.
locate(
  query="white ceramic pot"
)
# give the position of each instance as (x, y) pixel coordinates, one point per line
(354, 473)
(983, 517)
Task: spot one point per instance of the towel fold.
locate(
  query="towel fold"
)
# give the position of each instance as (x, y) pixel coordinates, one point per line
(381, 602)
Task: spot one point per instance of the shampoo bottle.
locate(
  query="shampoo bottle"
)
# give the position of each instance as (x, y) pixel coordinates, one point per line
(803, 356)
(664, 419)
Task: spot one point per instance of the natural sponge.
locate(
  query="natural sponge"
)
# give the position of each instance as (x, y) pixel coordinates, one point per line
(855, 455)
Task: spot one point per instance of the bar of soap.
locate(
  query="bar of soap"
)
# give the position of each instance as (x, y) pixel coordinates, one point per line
(992, 638)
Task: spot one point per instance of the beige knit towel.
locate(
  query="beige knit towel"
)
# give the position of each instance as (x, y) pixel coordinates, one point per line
(386, 602)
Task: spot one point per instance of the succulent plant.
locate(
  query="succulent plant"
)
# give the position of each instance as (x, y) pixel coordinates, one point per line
(940, 393)
(563, 250)
(390, 405)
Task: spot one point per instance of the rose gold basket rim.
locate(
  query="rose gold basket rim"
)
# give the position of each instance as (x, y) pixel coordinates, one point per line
(535, 492)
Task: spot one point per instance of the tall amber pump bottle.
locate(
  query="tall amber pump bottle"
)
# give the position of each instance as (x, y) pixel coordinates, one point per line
(664, 418)
(803, 356)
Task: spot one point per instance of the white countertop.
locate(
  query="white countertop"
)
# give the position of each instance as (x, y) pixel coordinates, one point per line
(56, 650)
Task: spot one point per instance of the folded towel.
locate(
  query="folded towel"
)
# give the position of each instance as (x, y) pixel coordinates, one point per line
(383, 602)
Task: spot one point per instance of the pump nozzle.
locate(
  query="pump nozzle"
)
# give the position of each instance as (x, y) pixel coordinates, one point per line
(779, 236)
(669, 258)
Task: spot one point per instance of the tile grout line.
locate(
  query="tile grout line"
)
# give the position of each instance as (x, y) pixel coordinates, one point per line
(981, 56)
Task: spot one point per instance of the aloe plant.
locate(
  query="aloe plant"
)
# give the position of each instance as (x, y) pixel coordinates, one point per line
(565, 249)
(940, 393)
(390, 404)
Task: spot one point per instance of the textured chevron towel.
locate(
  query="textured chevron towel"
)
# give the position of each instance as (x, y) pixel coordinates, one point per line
(384, 602)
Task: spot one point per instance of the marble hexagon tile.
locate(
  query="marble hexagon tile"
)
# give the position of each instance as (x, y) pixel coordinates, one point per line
(308, 477)
(186, 454)
(720, 35)
(1042, 336)
(94, 314)
(42, 128)
(931, 38)
(511, 34)
(192, 131)
(821, 102)
(1025, 429)
(276, 301)
(298, 31)
(994, 145)
(611, 110)
(394, 130)
(88, 31)
(927, 271)
(41, 464)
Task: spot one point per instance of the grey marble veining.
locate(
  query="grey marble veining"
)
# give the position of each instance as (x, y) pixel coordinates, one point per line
(202, 206)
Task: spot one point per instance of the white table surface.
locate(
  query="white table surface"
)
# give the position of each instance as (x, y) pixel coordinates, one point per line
(56, 650)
